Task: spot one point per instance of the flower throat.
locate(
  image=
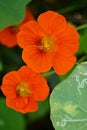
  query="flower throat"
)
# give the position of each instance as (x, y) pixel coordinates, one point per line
(47, 44)
(22, 90)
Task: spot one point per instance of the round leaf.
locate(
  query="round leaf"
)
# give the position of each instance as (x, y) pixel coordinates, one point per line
(11, 12)
(68, 101)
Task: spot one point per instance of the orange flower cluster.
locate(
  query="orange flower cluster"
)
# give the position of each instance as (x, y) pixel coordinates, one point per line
(23, 89)
(49, 42)
(8, 35)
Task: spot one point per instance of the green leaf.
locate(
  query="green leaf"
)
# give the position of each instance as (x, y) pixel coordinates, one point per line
(12, 12)
(10, 119)
(83, 40)
(68, 101)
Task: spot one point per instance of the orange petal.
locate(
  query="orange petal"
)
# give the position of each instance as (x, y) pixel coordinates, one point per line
(31, 107)
(37, 60)
(23, 105)
(9, 82)
(68, 41)
(11, 78)
(29, 34)
(27, 73)
(52, 23)
(63, 64)
(70, 33)
(40, 89)
(9, 90)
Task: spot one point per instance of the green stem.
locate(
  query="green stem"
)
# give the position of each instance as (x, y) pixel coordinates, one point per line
(81, 27)
(47, 74)
(74, 6)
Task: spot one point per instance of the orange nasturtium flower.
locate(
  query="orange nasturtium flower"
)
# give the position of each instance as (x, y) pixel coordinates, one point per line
(8, 35)
(49, 42)
(23, 89)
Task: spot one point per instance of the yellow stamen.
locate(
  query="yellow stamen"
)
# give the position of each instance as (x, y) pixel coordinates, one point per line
(23, 90)
(47, 44)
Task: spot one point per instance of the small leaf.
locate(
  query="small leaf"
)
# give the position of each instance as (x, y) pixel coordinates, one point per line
(68, 101)
(12, 12)
(10, 119)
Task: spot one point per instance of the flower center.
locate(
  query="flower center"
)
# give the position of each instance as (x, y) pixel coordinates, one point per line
(22, 89)
(47, 44)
